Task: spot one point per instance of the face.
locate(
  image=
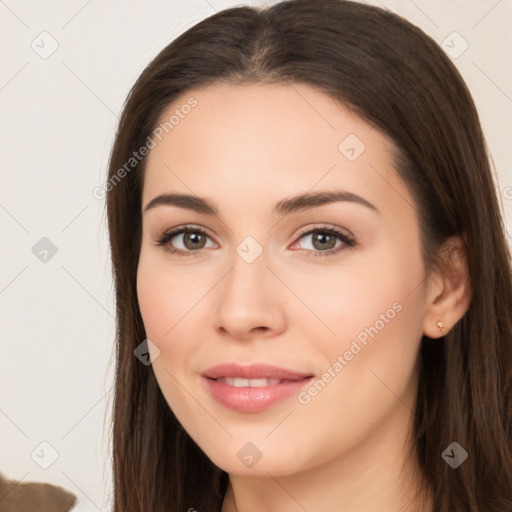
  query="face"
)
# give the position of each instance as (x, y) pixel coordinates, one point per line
(331, 290)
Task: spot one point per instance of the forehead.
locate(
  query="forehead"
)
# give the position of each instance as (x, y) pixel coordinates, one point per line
(276, 116)
(246, 142)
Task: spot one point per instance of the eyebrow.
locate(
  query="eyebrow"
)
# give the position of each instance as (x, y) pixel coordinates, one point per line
(293, 204)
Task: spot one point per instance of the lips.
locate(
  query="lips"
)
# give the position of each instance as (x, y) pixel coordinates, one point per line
(254, 371)
(253, 388)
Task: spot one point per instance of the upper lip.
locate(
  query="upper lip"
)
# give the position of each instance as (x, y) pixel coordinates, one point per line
(253, 371)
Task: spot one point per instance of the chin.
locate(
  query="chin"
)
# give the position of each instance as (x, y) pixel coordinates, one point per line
(255, 458)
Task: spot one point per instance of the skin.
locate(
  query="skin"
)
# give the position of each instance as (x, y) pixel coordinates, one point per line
(245, 148)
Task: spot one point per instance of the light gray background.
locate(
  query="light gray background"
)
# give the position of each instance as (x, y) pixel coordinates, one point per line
(58, 118)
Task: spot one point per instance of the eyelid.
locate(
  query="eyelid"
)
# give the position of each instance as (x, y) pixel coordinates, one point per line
(324, 227)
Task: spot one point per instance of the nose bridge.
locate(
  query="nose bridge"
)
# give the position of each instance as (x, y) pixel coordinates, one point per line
(249, 270)
(246, 298)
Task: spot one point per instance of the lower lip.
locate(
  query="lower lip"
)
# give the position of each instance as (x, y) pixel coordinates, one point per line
(253, 399)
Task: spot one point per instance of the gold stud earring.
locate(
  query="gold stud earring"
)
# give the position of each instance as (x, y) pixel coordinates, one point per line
(440, 326)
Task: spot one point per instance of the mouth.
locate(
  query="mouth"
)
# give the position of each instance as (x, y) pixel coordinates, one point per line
(253, 388)
(251, 383)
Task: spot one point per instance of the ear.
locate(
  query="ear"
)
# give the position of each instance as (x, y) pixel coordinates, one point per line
(449, 290)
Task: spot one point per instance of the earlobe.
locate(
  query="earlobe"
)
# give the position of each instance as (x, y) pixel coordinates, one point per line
(437, 330)
(449, 291)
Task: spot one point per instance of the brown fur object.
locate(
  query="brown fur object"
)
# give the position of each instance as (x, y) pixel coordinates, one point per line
(33, 497)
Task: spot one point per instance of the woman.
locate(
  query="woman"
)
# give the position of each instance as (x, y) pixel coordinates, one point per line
(370, 373)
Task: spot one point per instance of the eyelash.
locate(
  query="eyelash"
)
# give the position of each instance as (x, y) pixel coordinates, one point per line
(163, 242)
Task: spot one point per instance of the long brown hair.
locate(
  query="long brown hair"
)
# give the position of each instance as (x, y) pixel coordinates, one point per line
(392, 75)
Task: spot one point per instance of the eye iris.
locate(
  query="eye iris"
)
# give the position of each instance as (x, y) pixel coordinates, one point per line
(194, 238)
(322, 237)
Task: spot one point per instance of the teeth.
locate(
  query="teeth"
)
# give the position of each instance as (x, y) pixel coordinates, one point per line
(249, 383)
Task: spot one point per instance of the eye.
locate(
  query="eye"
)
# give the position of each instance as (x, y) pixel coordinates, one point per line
(192, 240)
(324, 240)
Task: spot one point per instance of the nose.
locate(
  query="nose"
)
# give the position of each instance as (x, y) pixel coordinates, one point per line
(249, 300)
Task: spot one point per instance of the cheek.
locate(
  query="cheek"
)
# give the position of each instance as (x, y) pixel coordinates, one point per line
(163, 296)
(369, 370)
(169, 302)
(373, 310)
(154, 302)
(163, 308)
(366, 301)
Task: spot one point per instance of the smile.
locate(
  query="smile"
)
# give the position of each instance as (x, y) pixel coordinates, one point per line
(253, 388)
